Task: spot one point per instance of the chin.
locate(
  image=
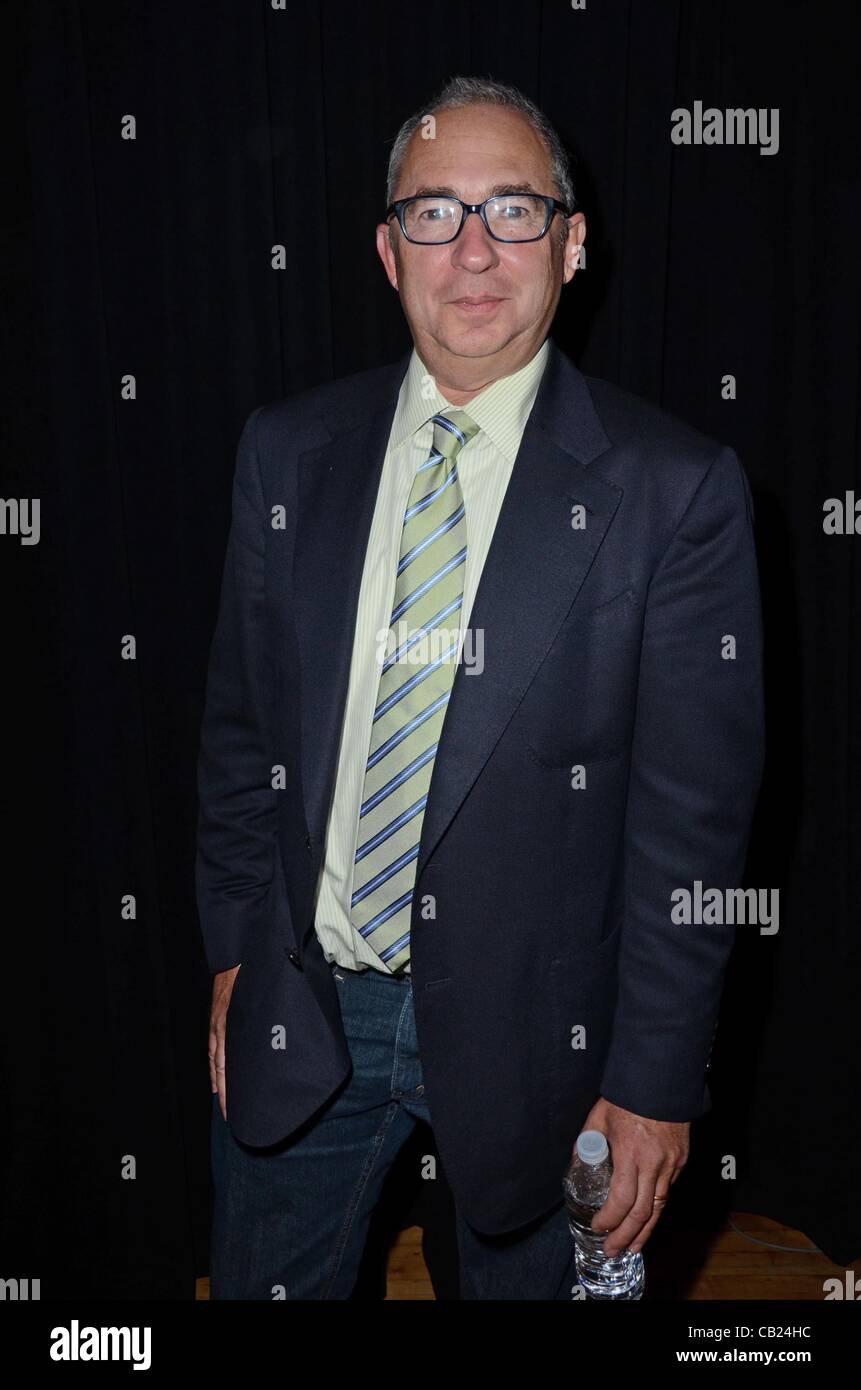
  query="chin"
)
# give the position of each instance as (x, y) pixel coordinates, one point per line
(474, 340)
(477, 344)
(474, 349)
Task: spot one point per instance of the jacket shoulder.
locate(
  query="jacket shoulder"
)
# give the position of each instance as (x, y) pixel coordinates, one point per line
(633, 422)
(313, 414)
(660, 458)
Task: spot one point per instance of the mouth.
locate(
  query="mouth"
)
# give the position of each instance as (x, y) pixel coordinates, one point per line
(477, 304)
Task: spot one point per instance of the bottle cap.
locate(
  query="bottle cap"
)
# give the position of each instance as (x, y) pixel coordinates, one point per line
(592, 1146)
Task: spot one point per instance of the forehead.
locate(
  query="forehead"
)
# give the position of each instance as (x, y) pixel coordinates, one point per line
(473, 149)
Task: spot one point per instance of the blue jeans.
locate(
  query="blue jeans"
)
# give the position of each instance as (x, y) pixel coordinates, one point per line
(291, 1221)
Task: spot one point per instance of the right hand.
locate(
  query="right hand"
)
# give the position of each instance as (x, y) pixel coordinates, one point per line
(222, 988)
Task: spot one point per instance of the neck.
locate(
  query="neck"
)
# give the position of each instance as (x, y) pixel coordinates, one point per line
(459, 379)
(457, 396)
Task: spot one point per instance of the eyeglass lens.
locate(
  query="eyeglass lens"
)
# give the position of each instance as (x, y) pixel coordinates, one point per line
(512, 217)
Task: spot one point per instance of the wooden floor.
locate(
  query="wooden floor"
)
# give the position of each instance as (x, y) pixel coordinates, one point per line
(720, 1265)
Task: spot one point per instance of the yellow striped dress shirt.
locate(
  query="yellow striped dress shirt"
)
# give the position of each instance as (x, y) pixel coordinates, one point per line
(501, 411)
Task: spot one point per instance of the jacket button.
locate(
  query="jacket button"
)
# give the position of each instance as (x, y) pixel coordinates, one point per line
(292, 956)
(307, 841)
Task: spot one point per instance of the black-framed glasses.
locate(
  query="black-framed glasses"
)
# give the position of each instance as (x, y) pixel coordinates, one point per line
(434, 219)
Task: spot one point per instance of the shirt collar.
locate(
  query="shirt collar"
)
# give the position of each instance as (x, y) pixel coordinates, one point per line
(500, 410)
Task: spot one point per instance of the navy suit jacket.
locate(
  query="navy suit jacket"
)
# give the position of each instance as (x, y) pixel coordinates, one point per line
(603, 649)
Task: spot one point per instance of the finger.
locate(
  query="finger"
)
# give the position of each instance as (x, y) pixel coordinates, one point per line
(220, 1069)
(639, 1214)
(659, 1202)
(639, 1241)
(620, 1199)
(211, 1052)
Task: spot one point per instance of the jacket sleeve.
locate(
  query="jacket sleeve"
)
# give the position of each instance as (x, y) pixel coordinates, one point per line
(237, 818)
(696, 766)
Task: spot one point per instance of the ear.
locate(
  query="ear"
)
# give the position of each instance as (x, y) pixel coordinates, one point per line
(573, 241)
(386, 253)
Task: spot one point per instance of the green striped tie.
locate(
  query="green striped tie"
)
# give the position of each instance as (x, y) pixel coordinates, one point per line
(415, 685)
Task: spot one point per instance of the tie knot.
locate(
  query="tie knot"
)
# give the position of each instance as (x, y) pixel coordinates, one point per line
(451, 431)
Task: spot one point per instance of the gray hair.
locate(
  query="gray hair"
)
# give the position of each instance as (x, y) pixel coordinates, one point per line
(469, 91)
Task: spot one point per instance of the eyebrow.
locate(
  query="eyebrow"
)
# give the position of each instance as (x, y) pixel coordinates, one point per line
(497, 189)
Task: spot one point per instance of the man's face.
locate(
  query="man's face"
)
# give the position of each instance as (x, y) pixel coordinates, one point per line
(478, 149)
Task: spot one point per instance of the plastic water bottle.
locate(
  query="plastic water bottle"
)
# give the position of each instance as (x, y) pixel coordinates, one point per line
(586, 1185)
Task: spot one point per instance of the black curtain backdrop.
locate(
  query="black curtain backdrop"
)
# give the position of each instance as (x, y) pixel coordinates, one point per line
(151, 258)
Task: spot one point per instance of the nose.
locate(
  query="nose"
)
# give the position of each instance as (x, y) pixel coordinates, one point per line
(474, 247)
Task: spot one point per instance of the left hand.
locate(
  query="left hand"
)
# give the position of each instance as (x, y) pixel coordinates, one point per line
(648, 1156)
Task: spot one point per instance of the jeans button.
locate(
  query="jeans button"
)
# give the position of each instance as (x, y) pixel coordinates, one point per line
(420, 1090)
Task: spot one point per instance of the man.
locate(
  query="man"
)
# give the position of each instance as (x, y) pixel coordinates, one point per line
(435, 878)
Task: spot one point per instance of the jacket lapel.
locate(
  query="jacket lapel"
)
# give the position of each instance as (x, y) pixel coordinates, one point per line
(535, 567)
(534, 570)
(337, 489)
